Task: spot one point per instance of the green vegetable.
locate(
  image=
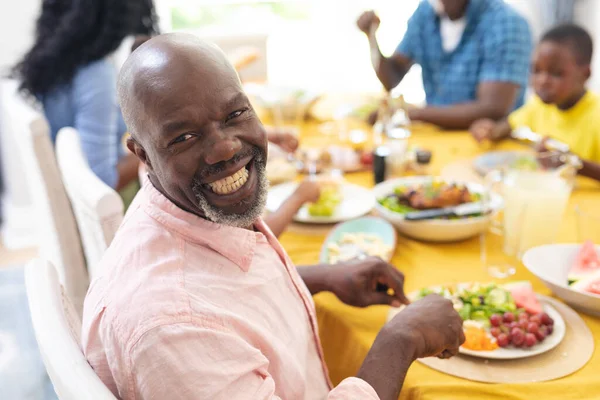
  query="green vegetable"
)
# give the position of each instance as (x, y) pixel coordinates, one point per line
(392, 203)
(465, 312)
(326, 205)
(497, 297)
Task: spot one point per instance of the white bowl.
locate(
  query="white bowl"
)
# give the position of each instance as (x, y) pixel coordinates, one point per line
(551, 264)
(434, 230)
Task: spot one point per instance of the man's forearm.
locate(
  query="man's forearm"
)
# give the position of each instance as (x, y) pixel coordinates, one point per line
(315, 278)
(459, 116)
(387, 363)
(590, 169)
(387, 70)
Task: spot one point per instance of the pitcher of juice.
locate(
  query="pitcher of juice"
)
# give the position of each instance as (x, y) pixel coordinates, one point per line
(534, 204)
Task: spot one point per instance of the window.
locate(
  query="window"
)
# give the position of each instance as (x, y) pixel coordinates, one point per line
(313, 44)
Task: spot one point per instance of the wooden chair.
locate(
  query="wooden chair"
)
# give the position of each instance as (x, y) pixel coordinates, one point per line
(57, 327)
(97, 207)
(58, 238)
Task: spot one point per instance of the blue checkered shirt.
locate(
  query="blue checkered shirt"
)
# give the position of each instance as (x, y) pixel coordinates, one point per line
(495, 47)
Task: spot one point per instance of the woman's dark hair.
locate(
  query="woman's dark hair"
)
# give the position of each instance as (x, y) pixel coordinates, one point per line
(73, 33)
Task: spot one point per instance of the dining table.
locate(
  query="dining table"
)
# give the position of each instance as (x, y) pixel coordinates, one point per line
(347, 333)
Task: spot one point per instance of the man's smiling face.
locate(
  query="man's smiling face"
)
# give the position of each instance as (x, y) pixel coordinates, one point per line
(194, 128)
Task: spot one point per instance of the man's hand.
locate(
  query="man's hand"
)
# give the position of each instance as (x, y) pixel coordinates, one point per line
(368, 22)
(286, 139)
(428, 327)
(482, 129)
(432, 325)
(362, 283)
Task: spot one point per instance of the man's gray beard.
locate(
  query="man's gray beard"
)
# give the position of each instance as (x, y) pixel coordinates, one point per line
(246, 219)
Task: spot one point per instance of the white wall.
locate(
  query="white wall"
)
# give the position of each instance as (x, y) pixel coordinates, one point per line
(17, 26)
(587, 14)
(17, 23)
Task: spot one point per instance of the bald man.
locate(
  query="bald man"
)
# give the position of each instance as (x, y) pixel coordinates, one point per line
(197, 299)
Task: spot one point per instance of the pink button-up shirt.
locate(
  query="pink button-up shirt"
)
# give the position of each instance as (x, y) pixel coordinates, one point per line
(188, 309)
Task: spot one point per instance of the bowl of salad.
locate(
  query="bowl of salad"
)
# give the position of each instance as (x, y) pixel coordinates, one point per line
(398, 197)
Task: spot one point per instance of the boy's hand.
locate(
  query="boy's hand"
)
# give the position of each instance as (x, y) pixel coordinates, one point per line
(307, 192)
(483, 129)
(286, 139)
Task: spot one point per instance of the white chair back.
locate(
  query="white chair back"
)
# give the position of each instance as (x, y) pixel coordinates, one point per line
(98, 208)
(57, 329)
(58, 238)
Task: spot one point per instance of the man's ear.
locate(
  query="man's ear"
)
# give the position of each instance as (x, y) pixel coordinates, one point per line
(137, 149)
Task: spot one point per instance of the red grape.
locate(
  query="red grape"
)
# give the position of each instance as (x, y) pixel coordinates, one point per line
(546, 320)
(508, 317)
(550, 329)
(495, 331)
(523, 316)
(517, 337)
(523, 325)
(513, 325)
(530, 340)
(502, 340)
(532, 327)
(542, 333)
(536, 318)
(496, 320)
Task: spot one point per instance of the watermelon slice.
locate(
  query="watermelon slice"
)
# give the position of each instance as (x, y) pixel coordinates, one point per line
(589, 284)
(586, 263)
(524, 296)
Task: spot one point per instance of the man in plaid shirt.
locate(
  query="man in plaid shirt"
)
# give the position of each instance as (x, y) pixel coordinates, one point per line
(474, 56)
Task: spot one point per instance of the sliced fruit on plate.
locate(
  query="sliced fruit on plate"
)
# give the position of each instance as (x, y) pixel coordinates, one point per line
(589, 284)
(524, 296)
(586, 263)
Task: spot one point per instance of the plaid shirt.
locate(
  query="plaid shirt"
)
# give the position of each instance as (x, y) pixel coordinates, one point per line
(495, 47)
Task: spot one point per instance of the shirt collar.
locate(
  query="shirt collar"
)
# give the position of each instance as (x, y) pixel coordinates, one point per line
(235, 244)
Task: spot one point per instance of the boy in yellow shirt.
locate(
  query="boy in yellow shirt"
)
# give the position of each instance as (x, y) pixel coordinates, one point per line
(562, 108)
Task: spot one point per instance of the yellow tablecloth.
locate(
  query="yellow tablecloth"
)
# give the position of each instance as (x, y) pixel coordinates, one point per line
(347, 333)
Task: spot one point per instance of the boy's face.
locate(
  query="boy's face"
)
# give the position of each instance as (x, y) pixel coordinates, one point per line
(557, 77)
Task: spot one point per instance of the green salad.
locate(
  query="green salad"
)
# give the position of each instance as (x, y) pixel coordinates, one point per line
(476, 301)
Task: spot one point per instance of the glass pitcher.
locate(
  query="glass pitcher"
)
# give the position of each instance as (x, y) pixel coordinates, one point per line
(534, 204)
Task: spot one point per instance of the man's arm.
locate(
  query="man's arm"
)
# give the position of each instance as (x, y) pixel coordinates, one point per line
(195, 358)
(189, 361)
(494, 101)
(389, 70)
(358, 282)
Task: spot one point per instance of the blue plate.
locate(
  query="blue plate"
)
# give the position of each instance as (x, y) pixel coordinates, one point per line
(372, 225)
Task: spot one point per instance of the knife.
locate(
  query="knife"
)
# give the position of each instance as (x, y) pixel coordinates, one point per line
(457, 211)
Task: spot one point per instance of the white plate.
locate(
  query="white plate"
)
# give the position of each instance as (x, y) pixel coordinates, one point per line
(512, 353)
(357, 201)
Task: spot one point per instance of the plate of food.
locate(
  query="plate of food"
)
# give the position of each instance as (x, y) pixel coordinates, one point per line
(493, 160)
(343, 158)
(502, 322)
(359, 238)
(338, 202)
(458, 205)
